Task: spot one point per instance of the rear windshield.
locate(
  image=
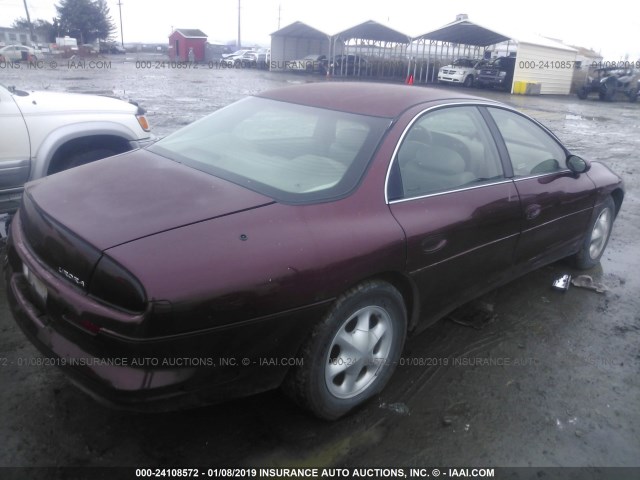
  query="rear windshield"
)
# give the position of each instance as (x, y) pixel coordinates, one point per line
(292, 153)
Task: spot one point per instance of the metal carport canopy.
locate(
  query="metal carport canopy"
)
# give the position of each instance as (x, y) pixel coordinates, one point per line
(296, 41)
(371, 30)
(465, 32)
(300, 29)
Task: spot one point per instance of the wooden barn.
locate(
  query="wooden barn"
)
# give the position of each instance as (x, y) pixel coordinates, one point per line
(182, 40)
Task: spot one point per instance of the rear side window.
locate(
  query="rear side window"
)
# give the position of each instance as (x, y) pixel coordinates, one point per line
(532, 150)
(444, 150)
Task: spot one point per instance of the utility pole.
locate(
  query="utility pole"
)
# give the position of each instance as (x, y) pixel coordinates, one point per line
(29, 22)
(121, 32)
(279, 12)
(239, 42)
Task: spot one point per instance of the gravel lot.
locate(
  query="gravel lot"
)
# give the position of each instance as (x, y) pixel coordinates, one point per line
(567, 392)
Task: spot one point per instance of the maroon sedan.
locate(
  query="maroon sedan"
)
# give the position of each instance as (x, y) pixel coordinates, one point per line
(293, 238)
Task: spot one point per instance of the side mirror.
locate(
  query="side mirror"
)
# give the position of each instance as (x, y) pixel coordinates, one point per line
(577, 164)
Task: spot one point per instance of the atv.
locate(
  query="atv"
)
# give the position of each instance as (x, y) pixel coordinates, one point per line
(610, 81)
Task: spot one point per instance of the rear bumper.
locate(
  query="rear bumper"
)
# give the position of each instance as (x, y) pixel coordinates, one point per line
(111, 381)
(150, 374)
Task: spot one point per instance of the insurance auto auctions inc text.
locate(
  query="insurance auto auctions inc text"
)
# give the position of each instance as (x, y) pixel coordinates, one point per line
(373, 473)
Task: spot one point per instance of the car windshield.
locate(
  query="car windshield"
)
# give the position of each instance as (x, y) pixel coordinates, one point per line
(463, 62)
(292, 153)
(500, 62)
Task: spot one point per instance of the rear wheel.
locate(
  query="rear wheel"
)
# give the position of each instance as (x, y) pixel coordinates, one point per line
(596, 240)
(352, 353)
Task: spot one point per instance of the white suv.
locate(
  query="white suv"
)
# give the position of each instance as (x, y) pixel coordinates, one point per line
(46, 132)
(462, 71)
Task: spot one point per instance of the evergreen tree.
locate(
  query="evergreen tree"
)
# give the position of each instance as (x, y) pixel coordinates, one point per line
(85, 20)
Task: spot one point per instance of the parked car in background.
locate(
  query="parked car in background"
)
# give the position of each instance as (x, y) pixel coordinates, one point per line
(263, 57)
(111, 48)
(246, 60)
(497, 74)
(293, 238)
(238, 58)
(237, 53)
(348, 65)
(310, 64)
(18, 53)
(230, 58)
(251, 59)
(611, 81)
(462, 71)
(47, 132)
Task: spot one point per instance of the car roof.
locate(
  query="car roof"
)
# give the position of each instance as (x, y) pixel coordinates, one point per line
(376, 99)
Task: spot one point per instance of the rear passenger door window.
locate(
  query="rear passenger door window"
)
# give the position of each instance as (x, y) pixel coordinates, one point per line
(445, 149)
(531, 149)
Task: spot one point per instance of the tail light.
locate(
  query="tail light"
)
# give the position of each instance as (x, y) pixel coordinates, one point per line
(113, 284)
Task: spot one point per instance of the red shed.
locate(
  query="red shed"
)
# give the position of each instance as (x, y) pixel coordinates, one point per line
(184, 39)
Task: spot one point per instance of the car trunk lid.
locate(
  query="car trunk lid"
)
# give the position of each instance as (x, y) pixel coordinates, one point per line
(130, 196)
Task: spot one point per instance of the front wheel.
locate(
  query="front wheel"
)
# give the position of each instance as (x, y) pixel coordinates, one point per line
(597, 237)
(352, 353)
(607, 91)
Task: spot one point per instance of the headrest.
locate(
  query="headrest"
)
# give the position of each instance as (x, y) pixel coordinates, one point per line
(351, 138)
(441, 160)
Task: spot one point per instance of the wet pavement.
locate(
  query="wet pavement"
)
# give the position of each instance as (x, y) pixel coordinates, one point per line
(525, 376)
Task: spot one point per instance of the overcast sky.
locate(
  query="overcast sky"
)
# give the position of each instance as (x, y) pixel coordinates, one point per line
(614, 31)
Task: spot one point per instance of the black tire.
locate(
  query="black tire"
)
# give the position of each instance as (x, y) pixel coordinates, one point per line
(337, 375)
(633, 95)
(597, 237)
(608, 91)
(583, 93)
(468, 82)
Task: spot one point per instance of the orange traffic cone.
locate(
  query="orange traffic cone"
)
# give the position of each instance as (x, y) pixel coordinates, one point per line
(410, 82)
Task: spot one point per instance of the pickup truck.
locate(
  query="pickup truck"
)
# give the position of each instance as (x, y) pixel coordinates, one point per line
(497, 74)
(46, 132)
